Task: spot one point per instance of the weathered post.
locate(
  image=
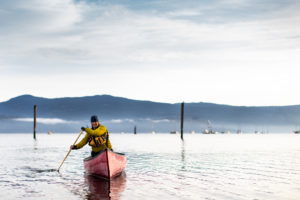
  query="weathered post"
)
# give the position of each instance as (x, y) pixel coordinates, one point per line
(134, 130)
(34, 122)
(181, 124)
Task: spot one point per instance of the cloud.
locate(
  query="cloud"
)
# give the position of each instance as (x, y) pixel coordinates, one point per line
(184, 13)
(118, 121)
(45, 120)
(79, 35)
(39, 17)
(56, 43)
(158, 120)
(161, 121)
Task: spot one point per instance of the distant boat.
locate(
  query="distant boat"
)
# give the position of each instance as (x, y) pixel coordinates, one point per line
(174, 132)
(297, 131)
(209, 130)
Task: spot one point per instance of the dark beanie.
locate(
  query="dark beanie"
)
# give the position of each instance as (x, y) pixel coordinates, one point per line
(94, 118)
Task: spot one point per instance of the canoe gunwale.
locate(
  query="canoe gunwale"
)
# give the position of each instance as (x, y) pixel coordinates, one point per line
(91, 158)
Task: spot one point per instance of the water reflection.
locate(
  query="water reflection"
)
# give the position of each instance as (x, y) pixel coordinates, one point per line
(35, 144)
(182, 155)
(100, 189)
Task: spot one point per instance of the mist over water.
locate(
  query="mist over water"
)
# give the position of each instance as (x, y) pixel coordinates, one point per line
(161, 166)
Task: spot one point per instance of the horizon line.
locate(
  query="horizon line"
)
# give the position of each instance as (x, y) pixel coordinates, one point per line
(191, 102)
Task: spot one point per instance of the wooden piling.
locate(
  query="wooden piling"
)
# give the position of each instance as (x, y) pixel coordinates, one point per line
(134, 130)
(182, 115)
(34, 121)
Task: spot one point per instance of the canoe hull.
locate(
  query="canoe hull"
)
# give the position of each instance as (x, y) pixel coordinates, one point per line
(106, 164)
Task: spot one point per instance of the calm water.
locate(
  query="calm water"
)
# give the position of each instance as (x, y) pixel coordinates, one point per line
(161, 166)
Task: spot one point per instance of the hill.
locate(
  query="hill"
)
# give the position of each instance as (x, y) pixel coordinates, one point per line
(121, 114)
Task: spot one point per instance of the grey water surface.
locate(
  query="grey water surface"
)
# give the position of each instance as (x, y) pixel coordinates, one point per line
(160, 166)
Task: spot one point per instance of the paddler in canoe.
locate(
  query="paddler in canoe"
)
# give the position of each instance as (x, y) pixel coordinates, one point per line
(97, 137)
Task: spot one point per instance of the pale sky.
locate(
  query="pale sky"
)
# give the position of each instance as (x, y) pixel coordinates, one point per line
(237, 52)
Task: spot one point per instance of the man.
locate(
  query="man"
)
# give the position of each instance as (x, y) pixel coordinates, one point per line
(97, 137)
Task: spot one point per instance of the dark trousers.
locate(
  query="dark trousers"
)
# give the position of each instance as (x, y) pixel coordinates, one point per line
(93, 154)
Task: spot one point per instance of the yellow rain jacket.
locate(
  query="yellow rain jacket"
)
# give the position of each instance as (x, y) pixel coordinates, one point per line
(96, 139)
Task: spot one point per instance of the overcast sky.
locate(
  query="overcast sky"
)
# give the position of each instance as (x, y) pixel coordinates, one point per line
(237, 52)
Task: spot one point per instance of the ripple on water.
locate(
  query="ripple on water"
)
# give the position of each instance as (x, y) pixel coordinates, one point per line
(159, 167)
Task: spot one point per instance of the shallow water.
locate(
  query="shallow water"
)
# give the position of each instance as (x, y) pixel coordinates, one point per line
(161, 166)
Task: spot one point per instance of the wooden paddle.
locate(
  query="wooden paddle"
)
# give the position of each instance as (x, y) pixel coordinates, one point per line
(69, 152)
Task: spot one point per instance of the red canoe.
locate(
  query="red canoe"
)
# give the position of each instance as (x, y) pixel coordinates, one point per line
(106, 164)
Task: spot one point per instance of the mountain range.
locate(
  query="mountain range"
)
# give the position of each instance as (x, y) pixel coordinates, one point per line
(122, 114)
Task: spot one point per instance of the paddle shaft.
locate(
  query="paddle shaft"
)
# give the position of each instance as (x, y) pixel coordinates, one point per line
(69, 152)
